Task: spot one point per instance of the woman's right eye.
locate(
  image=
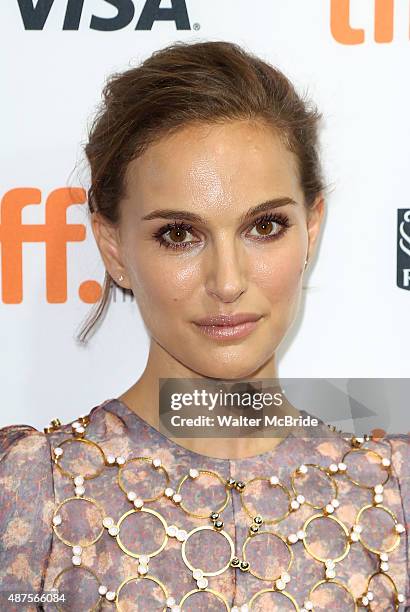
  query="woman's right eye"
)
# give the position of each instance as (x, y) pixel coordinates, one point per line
(176, 233)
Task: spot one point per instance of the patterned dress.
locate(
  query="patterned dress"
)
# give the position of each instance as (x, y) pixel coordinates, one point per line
(104, 512)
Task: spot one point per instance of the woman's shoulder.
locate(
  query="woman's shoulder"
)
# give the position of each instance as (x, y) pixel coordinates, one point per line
(25, 462)
(26, 506)
(400, 456)
(22, 443)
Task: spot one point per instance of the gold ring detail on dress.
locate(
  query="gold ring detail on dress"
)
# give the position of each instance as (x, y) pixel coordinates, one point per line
(78, 499)
(208, 473)
(208, 528)
(253, 537)
(328, 518)
(252, 514)
(148, 511)
(139, 577)
(157, 469)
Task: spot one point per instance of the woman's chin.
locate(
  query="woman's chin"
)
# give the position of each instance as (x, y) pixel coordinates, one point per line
(227, 371)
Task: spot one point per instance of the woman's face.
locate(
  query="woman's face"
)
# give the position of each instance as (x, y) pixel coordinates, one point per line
(222, 262)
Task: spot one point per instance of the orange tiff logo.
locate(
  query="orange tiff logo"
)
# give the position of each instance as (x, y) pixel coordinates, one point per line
(55, 233)
(344, 33)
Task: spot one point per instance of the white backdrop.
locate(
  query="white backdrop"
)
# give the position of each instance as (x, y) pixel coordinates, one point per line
(355, 321)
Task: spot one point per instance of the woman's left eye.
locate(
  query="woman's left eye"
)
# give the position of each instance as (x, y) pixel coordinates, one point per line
(267, 223)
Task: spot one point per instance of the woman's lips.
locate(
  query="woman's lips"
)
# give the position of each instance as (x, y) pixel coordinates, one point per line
(221, 332)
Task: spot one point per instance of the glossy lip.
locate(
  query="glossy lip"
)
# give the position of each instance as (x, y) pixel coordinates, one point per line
(228, 320)
(222, 327)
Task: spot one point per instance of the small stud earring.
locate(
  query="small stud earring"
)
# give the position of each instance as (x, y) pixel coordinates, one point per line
(120, 278)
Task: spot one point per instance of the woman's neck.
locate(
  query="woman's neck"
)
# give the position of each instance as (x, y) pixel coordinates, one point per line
(142, 398)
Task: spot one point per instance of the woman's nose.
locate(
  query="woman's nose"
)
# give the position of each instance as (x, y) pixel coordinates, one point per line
(225, 276)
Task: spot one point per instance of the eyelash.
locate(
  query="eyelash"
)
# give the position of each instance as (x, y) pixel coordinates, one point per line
(280, 219)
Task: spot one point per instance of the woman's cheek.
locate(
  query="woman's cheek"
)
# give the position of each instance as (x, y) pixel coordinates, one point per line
(160, 286)
(278, 278)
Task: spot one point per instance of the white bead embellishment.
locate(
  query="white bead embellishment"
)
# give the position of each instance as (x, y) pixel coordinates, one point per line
(294, 504)
(182, 535)
(108, 522)
(110, 595)
(172, 531)
(76, 559)
(202, 583)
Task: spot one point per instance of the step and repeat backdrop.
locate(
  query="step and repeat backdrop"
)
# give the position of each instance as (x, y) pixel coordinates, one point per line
(353, 59)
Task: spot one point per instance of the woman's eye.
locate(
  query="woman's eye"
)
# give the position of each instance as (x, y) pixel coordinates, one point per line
(271, 226)
(174, 236)
(177, 235)
(265, 228)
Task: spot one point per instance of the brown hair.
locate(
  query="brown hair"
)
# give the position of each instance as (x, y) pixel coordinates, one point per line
(205, 82)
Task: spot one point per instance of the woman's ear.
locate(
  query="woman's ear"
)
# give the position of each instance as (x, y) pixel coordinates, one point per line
(314, 223)
(108, 241)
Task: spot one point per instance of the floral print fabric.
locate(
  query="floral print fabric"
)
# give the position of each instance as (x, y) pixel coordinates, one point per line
(31, 486)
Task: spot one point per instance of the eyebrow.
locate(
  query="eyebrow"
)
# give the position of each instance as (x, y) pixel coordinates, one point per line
(168, 213)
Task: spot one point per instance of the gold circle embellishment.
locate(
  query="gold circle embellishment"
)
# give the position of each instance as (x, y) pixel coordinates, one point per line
(327, 518)
(339, 584)
(148, 511)
(208, 528)
(87, 570)
(138, 577)
(215, 593)
(157, 469)
(208, 473)
(373, 453)
(283, 593)
(390, 580)
(253, 537)
(323, 471)
(88, 443)
(395, 522)
(81, 500)
(276, 486)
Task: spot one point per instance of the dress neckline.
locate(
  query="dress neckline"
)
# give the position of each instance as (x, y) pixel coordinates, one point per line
(115, 403)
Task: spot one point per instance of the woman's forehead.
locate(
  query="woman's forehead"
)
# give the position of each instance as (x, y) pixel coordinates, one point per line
(213, 164)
